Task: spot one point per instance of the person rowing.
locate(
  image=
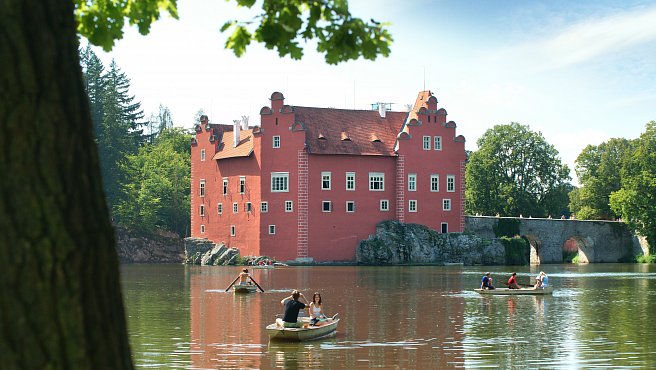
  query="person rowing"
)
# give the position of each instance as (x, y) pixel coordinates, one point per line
(244, 279)
(244, 276)
(512, 282)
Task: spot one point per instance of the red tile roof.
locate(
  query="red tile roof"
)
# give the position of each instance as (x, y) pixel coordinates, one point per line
(227, 150)
(341, 131)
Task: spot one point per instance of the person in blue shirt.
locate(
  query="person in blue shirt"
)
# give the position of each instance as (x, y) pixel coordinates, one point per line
(486, 282)
(541, 281)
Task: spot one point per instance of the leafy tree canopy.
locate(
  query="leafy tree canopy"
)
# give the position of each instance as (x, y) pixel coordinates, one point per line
(599, 168)
(282, 25)
(515, 172)
(635, 202)
(157, 195)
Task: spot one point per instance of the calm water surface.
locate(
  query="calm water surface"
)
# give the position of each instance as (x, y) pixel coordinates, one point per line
(600, 316)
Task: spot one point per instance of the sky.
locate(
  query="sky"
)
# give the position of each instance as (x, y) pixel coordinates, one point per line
(579, 72)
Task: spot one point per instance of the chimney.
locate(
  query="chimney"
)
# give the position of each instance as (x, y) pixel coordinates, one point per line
(244, 122)
(236, 132)
(382, 109)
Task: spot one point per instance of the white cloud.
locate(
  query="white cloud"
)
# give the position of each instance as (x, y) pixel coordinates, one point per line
(592, 38)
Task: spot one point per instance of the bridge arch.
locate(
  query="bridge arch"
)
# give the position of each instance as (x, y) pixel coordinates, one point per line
(583, 245)
(535, 245)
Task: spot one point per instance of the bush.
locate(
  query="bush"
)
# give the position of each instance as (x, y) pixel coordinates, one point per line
(239, 260)
(571, 256)
(641, 258)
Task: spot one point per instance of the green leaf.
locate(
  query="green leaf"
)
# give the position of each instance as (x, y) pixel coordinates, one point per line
(238, 41)
(227, 25)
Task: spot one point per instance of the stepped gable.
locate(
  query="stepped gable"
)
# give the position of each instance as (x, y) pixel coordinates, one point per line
(420, 102)
(349, 132)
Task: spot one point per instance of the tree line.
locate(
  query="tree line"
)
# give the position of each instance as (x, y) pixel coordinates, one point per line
(145, 163)
(516, 172)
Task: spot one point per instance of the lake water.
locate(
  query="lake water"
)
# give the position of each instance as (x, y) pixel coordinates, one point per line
(428, 317)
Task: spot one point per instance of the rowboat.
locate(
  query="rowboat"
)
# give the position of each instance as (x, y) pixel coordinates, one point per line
(244, 288)
(523, 291)
(264, 267)
(307, 332)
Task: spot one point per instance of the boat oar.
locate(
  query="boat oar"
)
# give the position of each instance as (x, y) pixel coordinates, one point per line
(231, 284)
(256, 284)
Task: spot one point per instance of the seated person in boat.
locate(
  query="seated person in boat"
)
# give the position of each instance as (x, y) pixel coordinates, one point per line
(512, 282)
(486, 282)
(292, 307)
(244, 276)
(541, 281)
(317, 316)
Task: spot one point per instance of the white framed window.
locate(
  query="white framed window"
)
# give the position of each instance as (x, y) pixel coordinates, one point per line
(219, 208)
(201, 191)
(446, 204)
(437, 142)
(201, 210)
(233, 230)
(427, 143)
(202, 229)
(376, 181)
(276, 141)
(235, 208)
(242, 184)
(412, 206)
(248, 207)
(435, 183)
(225, 186)
(445, 227)
(325, 181)
(350, 206)
(384, 205)
(412, 182)
(326, 206)
(264, 207)
(202, 154)
(272, 229)
(279, 182)
(350, 181)
(450, 183)
(289, 206)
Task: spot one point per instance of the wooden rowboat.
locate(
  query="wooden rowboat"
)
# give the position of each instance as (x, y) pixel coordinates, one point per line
(264, 267)
(307, 332)
(523, 291)
(244, 288)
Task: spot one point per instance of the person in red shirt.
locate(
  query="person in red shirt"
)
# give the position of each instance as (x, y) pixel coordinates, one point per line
(512, 282)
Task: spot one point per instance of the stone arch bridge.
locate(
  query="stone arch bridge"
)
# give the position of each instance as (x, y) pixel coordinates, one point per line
(598, 241)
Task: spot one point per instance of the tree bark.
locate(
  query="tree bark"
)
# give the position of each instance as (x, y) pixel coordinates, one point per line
(60, 298)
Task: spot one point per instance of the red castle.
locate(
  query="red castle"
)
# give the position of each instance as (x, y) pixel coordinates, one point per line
(309, 184)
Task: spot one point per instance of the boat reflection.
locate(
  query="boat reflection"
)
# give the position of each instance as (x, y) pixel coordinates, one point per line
(289, 355)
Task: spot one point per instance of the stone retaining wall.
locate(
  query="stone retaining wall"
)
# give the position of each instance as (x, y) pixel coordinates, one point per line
(134, 247)
(398, 243)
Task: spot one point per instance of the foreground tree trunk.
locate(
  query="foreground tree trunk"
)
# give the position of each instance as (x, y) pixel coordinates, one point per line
(60, 299)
